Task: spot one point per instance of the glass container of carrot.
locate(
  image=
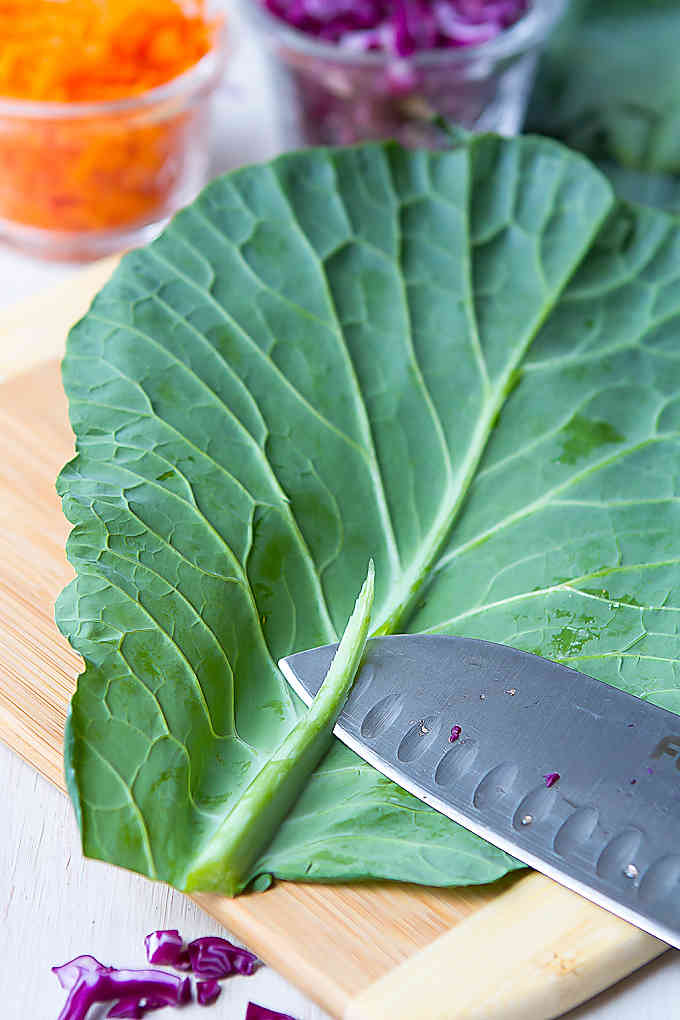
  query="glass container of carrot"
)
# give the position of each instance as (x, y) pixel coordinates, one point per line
(104, 119)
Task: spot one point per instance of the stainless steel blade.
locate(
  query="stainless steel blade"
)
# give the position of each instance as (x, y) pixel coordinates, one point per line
(609, 828)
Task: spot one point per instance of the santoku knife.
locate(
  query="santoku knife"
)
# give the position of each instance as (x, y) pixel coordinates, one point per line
(608, 827)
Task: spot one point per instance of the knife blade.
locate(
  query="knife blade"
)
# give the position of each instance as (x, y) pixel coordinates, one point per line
(608, 827)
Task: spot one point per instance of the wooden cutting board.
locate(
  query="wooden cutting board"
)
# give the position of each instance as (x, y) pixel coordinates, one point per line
(522, 948)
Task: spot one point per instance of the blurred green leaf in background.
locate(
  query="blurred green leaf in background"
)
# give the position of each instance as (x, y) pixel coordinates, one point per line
(609, 86)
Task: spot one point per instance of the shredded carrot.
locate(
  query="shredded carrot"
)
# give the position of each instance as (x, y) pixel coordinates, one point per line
(107, 171)
(82, 50)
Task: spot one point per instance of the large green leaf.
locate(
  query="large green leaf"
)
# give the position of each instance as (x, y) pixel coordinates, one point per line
(465, 364)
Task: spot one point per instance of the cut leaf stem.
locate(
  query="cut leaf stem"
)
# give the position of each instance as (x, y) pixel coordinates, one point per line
(226, 860)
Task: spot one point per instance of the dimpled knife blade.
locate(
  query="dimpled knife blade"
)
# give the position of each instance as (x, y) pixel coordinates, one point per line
(609, 827)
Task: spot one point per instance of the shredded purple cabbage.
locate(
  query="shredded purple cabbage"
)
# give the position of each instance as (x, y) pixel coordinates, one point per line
(399, 27)
(133, 1008)
(69, 973)
(130, 1009)
(167, 949)
(89, 982)
(455, 733)
(551, 778)
(214, 957)
(207, 992)
(255, 1012)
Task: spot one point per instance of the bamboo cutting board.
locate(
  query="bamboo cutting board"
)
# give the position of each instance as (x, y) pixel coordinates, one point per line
(522, 948)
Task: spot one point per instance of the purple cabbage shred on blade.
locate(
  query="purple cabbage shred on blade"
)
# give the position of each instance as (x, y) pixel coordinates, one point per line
(90, 982)
(255, 1012)
(207, 992)
(399, 27)
(214, 957)
(166, 948)
(551, 778)
(455, 733)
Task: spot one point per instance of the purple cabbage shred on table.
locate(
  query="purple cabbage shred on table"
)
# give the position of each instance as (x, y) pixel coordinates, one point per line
(69, 973)
(455, 733)
(207, 992)
(214, 957)
(255, 1012)
(129, 1009)
(166, 948)
(133, 1009)
(89, 982)
(399, 27)
(551, 778)
(135, 993)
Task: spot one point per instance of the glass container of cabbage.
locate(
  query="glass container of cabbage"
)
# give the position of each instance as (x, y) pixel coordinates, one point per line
(343, 78)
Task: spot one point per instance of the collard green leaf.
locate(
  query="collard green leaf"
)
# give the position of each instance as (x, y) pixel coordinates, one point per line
(464, 364)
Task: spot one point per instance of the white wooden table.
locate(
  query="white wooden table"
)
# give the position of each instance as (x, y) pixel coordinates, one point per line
(55, 905)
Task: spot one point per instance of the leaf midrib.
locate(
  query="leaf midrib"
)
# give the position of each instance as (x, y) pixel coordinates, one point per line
(403, 601)
(409, 589)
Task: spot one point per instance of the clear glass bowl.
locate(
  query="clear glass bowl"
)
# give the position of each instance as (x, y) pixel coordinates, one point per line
(81, 180)
(338, 97)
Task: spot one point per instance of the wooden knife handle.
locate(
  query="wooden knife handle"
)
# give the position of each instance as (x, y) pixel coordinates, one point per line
(534, 952)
